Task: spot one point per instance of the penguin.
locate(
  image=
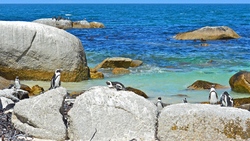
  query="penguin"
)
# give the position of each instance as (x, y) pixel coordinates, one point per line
(117, 85)
(55, 81)
(185, 100)
(226, 100)
(17, 84)
(213, 97)
(159, 104)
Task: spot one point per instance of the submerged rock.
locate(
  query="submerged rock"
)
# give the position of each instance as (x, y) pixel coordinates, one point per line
(240, 82)
(203, 122)
(208, 33)
(34, 51)
(108, 114)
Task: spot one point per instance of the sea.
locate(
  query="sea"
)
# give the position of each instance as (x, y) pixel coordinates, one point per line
(146, 32)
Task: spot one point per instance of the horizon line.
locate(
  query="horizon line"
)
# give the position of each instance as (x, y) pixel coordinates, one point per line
(124, 3)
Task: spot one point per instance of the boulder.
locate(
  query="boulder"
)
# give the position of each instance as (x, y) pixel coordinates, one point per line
(115, 62)
(108, 114)
(241, 101)
(136, 63)
(208, 33)
(240, 82)
(187, 121)
(14, 95)
(81, 24)
(4, 83)
(120, 71)
(56, 22)
(137, 91)
(96, 25)
(4, 102)
(43, 119)
(94, 74)
(36, 90)
(201, 85)
(34, 51)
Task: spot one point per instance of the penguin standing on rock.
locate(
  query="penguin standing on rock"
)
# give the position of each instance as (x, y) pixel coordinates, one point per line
(117, 85)
(226, 100)
(213, 97)
(55, 81)
(17, 84)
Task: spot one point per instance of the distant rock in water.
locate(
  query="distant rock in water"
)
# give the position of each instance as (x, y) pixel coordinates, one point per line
(209, 33)
(56, 22)
(34, 51)
(240, 82)
(62, 23)
(201, 85)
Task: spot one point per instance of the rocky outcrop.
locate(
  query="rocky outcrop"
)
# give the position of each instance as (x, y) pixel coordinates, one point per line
(136, 63)
(34, 51)
(203, 121)
(96, 25)
(108, 114)
(86, 24)
(201, 85)
(208, 33)
(62, 23)
(56, 22)
(43, 118)
(240, 82)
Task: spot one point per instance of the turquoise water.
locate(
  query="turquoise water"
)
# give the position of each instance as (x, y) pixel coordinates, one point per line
(145, 32)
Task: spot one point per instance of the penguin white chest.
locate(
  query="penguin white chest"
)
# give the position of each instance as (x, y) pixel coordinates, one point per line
(213, 98)
(57, 81)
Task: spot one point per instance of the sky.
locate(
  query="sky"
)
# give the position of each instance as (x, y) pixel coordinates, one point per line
(123, 1)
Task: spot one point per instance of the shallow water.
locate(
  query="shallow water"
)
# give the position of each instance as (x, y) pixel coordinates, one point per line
(145, 32)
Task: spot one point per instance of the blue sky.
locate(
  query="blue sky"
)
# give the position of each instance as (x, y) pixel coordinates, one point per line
(124, 1)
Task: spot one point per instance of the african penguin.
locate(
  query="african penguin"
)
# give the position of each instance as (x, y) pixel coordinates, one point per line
(55, 81)
(213, 97)
(185, 100)
(226, 100)
(17, 84)
(159, 104)
(117, 85)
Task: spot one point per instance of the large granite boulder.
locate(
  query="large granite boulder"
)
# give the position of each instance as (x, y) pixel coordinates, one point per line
(56, 22)
(96, 25)
(203, 122)
(240, 82)
(108, 114)
(40, 116)
(34, 51)
(209, 33)
(202, 85)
